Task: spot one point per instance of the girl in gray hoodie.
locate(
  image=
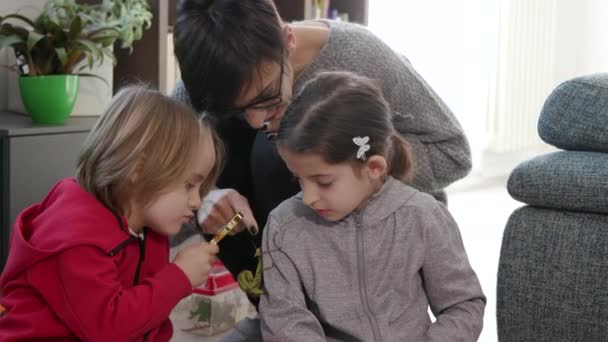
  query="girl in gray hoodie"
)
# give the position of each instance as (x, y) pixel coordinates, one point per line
(359, 255)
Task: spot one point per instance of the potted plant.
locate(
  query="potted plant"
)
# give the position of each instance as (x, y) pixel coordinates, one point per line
(64, 42)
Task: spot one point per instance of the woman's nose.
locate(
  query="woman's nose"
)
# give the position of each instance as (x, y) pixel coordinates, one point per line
(256, 118)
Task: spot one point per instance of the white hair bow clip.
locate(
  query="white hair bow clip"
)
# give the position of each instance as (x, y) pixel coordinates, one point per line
(362, 142)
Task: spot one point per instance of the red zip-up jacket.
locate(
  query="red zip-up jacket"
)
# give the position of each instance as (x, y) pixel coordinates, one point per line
(74, 272)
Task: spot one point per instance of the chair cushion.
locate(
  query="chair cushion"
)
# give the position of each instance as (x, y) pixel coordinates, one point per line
(552, 277)
(575, 115)
(563, 180)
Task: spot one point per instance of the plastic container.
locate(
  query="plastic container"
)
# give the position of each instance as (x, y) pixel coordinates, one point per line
(216, 306)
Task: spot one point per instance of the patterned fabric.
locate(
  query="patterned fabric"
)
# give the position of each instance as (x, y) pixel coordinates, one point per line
(575, 116)
(552, 274)
(563, 180)
(552, 277)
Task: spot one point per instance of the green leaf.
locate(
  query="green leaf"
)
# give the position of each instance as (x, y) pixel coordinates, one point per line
(93, 51)
(104, 41)
(75, 27)
(104, 31)
(19, 17)
(137, 33)
(68, 35)
(127, 39)
(9, 40)
(86, 18)
(49, 25)
(8, 29)
(84, 74)
(90, 61)
(62, 55)
(32, 39)
(75, 56)
(106, 5)
(108, 52)
(90, 46)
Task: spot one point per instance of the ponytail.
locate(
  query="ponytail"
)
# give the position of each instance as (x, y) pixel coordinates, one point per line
(401, 164)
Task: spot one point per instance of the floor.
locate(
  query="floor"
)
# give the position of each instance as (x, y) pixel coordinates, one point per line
(481, 212)
(481, 209)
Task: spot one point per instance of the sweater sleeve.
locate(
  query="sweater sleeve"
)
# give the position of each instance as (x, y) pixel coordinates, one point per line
(283, 312)
(454, 292)
(96, 307)
(441, 151)
(440, 148)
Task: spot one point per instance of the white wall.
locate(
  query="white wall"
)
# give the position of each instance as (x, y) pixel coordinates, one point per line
(582, 38)
(596, 46)
(454, 46)
(451, 44)
(569, 52)
(28, 8)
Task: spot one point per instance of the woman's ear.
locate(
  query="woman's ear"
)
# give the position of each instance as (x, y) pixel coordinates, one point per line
(290, 38)
(376, 167)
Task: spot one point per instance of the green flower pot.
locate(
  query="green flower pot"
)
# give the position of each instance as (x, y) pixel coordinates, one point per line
(50, 98)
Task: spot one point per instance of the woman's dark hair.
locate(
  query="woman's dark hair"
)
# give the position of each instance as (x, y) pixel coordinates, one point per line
(220, 45)
(335, 107)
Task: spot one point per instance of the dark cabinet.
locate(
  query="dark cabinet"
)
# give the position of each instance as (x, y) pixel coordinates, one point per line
(34, 158)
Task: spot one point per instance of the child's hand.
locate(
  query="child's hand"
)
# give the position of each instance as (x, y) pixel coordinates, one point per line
(196, 261)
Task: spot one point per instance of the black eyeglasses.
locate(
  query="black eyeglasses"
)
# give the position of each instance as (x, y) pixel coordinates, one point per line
(264, 103)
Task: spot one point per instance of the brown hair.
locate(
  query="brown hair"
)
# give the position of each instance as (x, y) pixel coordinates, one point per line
(335, 107)
(146, 132)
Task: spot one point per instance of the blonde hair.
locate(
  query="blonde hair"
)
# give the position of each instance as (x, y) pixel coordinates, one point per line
(147, 134)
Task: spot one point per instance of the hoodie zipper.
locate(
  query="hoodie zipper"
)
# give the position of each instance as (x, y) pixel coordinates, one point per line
(142, 255)
(141, 242)
(363, 279)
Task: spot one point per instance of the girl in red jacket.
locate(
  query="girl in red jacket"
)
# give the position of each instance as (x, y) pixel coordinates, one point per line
(91, 261)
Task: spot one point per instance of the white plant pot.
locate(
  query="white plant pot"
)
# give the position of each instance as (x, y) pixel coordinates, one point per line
(14, 95)
(93, 95)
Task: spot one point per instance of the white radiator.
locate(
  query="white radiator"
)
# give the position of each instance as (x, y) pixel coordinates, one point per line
(524, 73)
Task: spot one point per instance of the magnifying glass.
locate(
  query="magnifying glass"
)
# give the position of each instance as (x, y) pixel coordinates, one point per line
(234, 221)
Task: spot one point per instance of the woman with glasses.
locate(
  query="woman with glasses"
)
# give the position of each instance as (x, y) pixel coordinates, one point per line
(241, 64)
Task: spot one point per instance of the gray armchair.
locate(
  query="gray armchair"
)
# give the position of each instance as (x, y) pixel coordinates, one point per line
(553, 268)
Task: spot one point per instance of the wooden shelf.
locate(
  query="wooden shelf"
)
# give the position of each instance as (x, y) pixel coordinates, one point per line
(357, 9)
(148, 62)
(291, 10)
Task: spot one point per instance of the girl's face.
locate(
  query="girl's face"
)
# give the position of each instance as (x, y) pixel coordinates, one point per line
(332, 190)
(175, 205)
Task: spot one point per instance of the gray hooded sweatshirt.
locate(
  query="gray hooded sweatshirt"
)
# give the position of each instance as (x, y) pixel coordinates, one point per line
(371, 276)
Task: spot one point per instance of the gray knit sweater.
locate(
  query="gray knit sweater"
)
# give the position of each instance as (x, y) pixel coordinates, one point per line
(441, 151)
